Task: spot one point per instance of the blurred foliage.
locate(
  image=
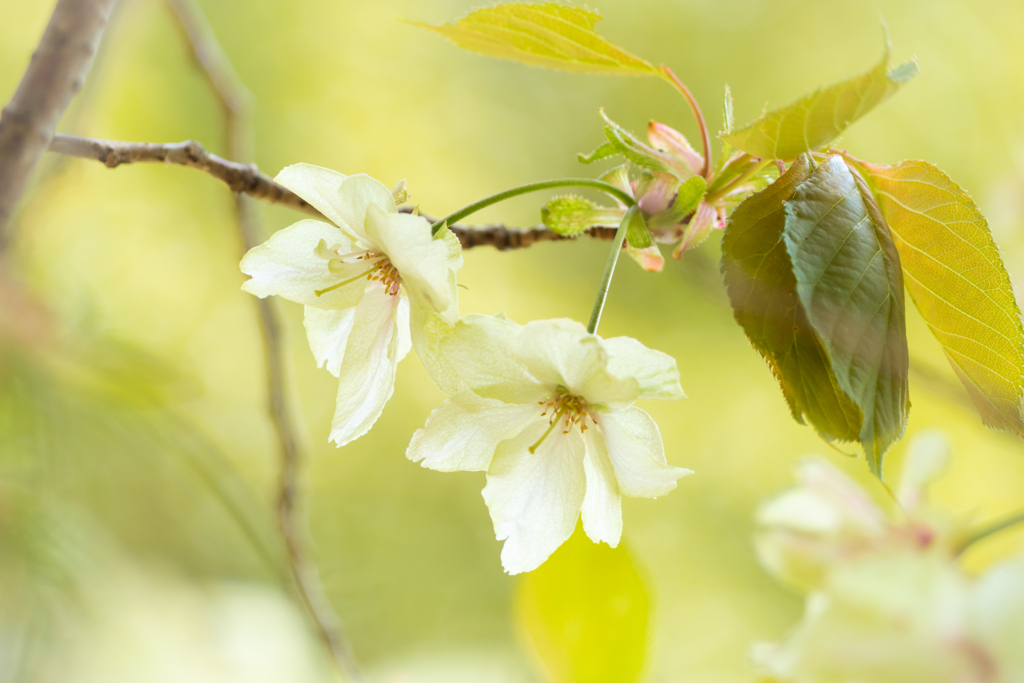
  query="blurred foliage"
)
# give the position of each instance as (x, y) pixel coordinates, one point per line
(142, 431)
(585, 611)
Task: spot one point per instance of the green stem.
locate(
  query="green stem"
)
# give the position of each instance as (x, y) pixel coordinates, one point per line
(992, 529)
(607, 188)
(609, 269)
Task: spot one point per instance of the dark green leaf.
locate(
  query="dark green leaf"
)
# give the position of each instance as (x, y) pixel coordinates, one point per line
(820, 118)
(762, 290)
(850, 282)
(957, 280)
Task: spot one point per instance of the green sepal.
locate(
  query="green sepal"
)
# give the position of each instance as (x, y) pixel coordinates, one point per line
(604, 151)
(637, 234)
(626, 144)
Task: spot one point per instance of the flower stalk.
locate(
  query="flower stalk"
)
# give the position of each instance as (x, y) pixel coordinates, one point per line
(470, 209)
(609, 269)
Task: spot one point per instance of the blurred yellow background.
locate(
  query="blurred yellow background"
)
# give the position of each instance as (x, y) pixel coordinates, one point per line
(135, 456)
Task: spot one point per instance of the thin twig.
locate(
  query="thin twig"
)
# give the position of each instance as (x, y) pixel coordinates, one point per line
(237, 104)
(246, 179)
(57, 71)
(241, 178)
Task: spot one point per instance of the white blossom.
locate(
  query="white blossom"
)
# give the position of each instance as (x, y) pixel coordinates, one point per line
(361, 279)
(548, 414)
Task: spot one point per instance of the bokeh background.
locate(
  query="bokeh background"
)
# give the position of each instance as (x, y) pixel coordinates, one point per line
(137, 465)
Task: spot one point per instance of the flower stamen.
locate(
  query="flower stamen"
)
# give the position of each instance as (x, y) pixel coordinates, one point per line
(321, 292)
(568, 410)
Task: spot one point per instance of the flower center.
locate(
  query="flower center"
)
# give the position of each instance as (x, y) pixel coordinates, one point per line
(566, 411)
(379, 267)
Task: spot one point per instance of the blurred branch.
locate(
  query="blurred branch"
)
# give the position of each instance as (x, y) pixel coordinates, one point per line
(246, 180)
(57, 71)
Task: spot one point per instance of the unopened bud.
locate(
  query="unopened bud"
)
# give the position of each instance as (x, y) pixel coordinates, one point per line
(399, 192)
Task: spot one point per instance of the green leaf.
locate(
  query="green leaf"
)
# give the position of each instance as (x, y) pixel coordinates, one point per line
(585, 611)
(820, 118)
(604, 151)
(637, 233)
(547, 34)
(628, 146)
(957, 280)
(849, 280)
(572, 214)
(762, 289)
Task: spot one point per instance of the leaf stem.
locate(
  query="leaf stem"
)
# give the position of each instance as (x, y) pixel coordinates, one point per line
(609, 269)
(705, 136)
(756, 167)
(992, 529)
(531, 187)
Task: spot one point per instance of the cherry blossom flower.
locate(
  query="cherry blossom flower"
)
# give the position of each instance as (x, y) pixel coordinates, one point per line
(362, 280)
(549, 415)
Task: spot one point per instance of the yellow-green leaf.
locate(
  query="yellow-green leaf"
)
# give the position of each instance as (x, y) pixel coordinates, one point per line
(957, 281)
(820, 118)
(584, 612)
(849, 280)
(762, 290)
(547, 34)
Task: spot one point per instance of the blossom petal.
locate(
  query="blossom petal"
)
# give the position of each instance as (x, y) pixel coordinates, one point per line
(602, 504)
(480, 348)
(327, 332)
(287, 265)
(463, 433)
(429, 331)
(637, 454)
(562, 352)
(421, 260)
(378, 341)
(655, 371)
(342, 199)
(535, 498)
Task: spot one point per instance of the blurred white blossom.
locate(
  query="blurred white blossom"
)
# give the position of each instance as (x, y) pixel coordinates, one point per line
(549, 415)
(886, 600)
(828, 519)
(139, 626)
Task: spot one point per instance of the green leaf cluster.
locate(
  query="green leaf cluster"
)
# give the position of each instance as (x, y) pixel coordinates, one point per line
(762, 288)
(815, 266)
(544, 34)
(815, 281)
